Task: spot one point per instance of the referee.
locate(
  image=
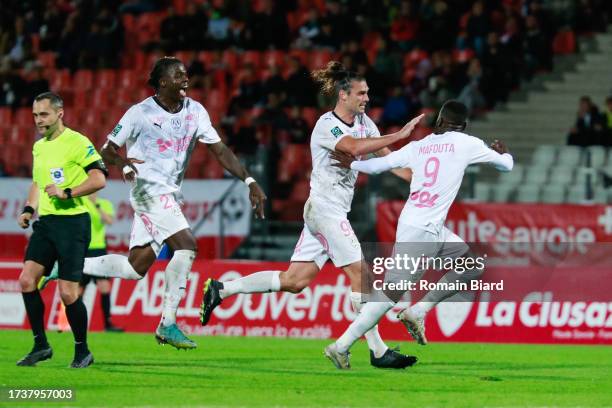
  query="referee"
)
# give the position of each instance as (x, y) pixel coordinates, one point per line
(65, 168)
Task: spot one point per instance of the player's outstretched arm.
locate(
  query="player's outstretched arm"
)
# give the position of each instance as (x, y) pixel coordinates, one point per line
(371, 166)
(230, 162)
(357, 147)
(404, 174)
(503, 160)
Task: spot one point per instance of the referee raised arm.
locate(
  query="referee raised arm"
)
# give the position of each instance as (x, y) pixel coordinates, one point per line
(65, 168)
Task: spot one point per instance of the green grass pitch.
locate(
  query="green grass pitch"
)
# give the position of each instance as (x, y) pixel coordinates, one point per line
(132, 370)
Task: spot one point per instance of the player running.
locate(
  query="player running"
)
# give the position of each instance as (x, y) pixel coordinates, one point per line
(438, 162)
(160, 133)
(327, 232)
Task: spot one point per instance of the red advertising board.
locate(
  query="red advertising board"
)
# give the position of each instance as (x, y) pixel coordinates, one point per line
(321, 311)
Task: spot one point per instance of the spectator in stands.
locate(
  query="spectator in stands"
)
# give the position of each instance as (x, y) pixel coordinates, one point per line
(3, 171)
(589, 127)
(218, 29)
(275, 84)
(302, 89)
(298, 127)
(12, 86)
(404, 27)
(195, 26)
(608, 121)
(325, 38)
(308, 31)
(198, 76)
(69, 45)
(37, 84)
(171, 32)
(396, 109)
(50, 27)
(268, 29)
(478, 27)
(439, 31)
(496, 78)
(538, 48)
(249, 90)
(16, 44)
(97, 49)
(470, 95)
(273, 114)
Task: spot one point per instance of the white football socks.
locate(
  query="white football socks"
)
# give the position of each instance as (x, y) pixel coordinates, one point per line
(259, 282)
(370, 314)
(110, 266)
(375, 342)
(433, 297)
(176, 274)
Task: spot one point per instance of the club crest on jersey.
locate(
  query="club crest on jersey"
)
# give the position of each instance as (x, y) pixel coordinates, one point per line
(175, 123)
(57, 175)
(336, 131)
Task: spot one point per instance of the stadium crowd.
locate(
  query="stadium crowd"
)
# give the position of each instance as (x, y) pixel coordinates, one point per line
(249, 61)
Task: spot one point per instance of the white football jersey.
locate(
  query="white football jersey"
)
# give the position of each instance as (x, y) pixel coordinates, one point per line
(164, 141)
(438, 163)
(331, 186)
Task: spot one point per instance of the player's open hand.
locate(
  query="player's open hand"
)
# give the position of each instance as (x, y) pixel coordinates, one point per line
(53, 191)
(499, 147)
(128, 170)
(258, 199)
(409, 127)
(24, 220)
(343, 160)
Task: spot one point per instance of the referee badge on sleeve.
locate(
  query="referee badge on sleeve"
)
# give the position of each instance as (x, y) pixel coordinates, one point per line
(57, 175)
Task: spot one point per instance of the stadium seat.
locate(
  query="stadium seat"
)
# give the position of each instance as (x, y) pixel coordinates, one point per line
(106, 78)
(212, 170)
(463, 56)
(83, 79)
(310, 115)
(528, 193)
(47, 59)
(274, 57)
(586, 176)
(595, 156)
(512, 178)
(570, 155)
(482, 191)
(375, 114)
(536, 174)
(6, 115)
(253, 58)
(61, 80)
(553, 194)
(412, 59)
(564, 42)
(300, 191)
(600, 195)
(562, 175)
(319, 59)
(577, 194)
(544, 155)
(231, 59)
(23, 117)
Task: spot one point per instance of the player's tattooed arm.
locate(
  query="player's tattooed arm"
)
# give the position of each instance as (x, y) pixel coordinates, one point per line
(111, 156)
(230, 162)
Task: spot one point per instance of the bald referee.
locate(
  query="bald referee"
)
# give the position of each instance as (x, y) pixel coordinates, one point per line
(66, 167)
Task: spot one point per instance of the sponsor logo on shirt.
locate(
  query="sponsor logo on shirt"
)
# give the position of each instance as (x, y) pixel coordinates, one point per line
(90, 151)
(163, 145)
(336, 131)
(57, 175)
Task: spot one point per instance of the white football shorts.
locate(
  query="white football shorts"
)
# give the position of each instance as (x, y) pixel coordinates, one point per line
(156, 219)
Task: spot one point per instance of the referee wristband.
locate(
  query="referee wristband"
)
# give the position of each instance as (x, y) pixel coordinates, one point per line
(249, 180)
(28, 209)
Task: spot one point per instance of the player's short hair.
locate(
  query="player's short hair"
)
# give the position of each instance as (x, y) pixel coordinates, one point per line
(160, 69)
(454, 112)
(55, 100)
(334, 78)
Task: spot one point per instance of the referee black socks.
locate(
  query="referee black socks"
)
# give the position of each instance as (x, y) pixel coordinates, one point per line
(77, 317)
(35, 309)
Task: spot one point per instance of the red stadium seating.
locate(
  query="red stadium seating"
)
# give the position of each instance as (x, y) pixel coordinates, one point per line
(6, 115)
(23, 117)
(106, 78)
(61, 80)
(564, 43)
(83, 79)
(47, 59)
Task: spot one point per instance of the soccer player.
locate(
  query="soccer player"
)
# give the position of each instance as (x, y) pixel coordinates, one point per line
(66, 167)
(327, 232)
(438, 162)
(160, 133)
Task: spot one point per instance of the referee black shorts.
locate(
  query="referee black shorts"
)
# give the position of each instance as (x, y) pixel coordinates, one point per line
(61, 238)
(92, 253)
